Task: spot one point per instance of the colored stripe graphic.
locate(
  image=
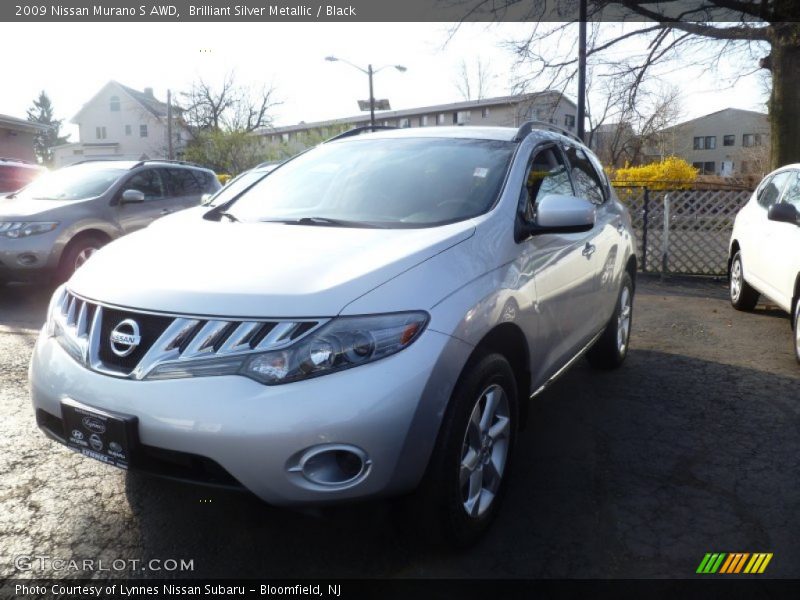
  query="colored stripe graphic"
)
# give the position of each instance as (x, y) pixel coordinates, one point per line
(734, 563)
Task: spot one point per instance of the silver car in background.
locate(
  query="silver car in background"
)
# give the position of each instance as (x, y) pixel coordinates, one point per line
(370, 319)
(53, 225)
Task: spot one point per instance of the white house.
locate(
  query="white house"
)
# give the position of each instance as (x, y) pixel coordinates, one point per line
(122, 123)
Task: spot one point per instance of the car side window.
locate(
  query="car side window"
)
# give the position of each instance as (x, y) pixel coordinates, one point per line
(588, 184)
(771, 192)
(183, 183)
(149, 182)
(547, 174)
(792, 193)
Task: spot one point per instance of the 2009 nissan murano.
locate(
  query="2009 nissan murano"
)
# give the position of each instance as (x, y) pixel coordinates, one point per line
(369, 319)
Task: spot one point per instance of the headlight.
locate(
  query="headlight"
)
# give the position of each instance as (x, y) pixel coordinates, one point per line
(343, 343)
(53, 306)
(21, 229)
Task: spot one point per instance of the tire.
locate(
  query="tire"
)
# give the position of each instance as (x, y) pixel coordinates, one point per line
(76, 253)
(466, 478)
(796, 332)
(743, 296)
(610, 350)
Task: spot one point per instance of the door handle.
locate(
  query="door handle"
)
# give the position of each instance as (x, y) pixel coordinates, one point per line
(166, 211)
(588, 250)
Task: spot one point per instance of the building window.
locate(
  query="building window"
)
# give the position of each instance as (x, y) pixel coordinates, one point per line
(744, 167)
(569, 121)
(441, 118)
(709, 168)
(100, 133)
(285, 137)
(711, 142)
(113, 103)
(405, 123)
(127, 129)
(462, 117)
(750, 140)
(423, 121)
(698, 166)
(729, 140)
(484, 112)
(698, 143)
(142, 130)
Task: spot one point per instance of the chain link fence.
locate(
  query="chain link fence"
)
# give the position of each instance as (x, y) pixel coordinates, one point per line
(683, 231)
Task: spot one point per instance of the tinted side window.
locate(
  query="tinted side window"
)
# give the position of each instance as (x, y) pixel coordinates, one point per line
(792, 194)
(547, 175)
(149, 182)
(588, 184)
(771, 191)
(206, 181)
(183, 183)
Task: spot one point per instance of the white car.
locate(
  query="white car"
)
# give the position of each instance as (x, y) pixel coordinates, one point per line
(764, 254)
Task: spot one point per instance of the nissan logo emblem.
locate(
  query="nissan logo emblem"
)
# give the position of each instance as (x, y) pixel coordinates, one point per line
(125, 338)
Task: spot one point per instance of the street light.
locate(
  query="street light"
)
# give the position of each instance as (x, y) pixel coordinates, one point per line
(369, 71)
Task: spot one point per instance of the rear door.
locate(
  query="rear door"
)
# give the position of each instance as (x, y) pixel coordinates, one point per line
(185, 190)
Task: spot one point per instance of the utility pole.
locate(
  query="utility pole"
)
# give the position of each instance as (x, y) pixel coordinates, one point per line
(169, 125)
(371, 98)
(582, 69)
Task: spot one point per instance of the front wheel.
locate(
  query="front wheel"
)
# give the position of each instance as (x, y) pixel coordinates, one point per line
(466, 478)
(743, 296)
(610, 350)
(797, 331)
(76, 254)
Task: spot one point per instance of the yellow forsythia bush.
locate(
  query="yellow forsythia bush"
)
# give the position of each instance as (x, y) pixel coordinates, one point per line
(223, 178)
(671, 173)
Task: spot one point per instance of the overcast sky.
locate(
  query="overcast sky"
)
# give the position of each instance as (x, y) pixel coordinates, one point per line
(73, 61)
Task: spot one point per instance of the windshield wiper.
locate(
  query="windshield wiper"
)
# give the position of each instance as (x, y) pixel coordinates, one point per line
(228, 215)
(323, 221)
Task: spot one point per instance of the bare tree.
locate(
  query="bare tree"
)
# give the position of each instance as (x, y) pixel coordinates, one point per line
(760, 33)
(230, 107)
(474, 83)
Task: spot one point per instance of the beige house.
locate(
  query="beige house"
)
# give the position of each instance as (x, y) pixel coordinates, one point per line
(16, 138)
(508, 111)
(726, 143)
(121, 123)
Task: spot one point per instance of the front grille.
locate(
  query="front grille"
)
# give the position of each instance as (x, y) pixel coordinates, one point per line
(151, 327)
(84, 329)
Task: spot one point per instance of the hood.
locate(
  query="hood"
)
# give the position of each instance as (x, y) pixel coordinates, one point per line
(21, 208)
(259, 270)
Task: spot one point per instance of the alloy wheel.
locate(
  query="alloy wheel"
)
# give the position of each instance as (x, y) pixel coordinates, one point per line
(485, 450)
(83, 256)
(624, 320)
(736, 280)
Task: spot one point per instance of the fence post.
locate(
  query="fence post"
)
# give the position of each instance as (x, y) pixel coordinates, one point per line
(665, 239)
(645, 219)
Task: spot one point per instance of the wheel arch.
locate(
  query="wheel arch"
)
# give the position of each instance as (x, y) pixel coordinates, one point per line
(82, 235)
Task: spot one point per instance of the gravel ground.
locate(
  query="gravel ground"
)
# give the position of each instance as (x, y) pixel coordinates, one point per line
(693, 446)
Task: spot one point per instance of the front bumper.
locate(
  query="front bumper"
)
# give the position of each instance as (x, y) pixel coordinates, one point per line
(390, 409)
(30, 258)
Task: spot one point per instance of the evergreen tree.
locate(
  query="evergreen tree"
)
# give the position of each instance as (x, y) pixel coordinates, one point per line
(42, 112)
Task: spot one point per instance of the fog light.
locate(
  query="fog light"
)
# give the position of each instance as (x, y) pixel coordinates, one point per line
(27, 259)
(333, 465)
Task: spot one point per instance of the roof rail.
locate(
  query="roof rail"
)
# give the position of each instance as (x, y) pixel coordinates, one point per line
(358, 131)
(165, 160)
(529, 126)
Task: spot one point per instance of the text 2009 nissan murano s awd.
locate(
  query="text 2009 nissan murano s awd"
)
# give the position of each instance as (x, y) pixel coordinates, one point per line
(367, 320)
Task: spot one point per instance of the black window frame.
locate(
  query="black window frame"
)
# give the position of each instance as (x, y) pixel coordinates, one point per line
(600, 176)
(730, 137)
(164, 184)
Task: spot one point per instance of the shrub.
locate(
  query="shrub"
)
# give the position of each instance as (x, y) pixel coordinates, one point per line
(672, 173)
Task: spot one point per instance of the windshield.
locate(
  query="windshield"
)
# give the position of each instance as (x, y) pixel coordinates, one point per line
(237, 186)
(413, 182)
(72, 183)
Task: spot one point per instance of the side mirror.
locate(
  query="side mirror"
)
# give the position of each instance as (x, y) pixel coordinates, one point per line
(558, 213)
(205, 199)
(132, 197)
(783, 213)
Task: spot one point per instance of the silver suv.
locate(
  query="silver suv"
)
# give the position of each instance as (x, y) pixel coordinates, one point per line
(51, 226)
(367, 320)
